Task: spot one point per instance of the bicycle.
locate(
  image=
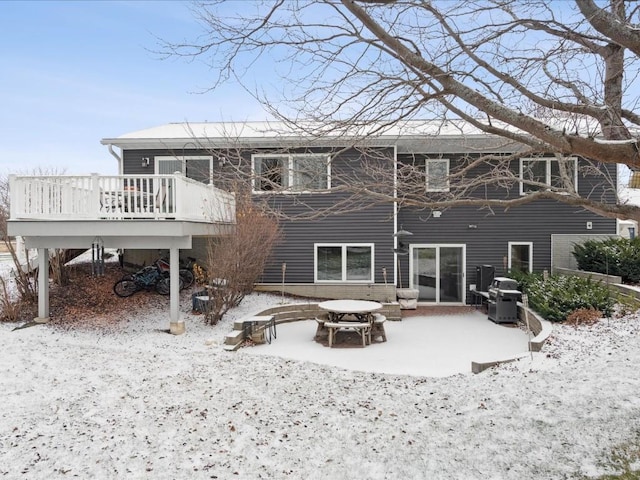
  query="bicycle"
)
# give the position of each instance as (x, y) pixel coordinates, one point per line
(152, 277)
(185, 270)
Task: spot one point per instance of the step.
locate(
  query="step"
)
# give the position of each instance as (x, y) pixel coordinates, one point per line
(258, 319)
(234, 337)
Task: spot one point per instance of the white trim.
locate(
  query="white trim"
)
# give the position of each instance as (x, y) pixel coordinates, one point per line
(529, 244)
(395, 214)
(343, 247)
(437, 246)
(548, 164)
(290, 158)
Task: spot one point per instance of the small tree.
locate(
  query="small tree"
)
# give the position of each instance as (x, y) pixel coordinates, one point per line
(236, 261)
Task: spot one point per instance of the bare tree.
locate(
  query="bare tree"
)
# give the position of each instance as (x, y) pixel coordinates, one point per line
(553, 78)
(236, 261)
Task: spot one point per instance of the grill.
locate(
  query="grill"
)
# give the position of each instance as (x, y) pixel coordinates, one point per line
(503, 300)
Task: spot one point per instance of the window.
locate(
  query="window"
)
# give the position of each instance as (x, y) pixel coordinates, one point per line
(344, 262)
(547, 171)
(197, 167)
(437, 174)
(521, 256)
(303, 172)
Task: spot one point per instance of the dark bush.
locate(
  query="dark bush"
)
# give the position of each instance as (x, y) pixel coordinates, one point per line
(613, 256)
(524, 279)
(560, 295)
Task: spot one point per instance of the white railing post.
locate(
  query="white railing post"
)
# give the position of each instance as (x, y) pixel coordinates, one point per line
(15, 199)
(95, 196)
(178, 195)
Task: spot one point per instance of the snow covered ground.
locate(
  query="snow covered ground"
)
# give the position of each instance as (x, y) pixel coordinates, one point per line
(131, 401)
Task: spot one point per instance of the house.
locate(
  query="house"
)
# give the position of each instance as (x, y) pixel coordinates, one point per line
(365, 248)
(357, 253)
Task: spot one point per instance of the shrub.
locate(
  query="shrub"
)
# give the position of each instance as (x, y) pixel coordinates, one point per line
(524, 279)
(613, 256)
(236, 261)
(558, 296)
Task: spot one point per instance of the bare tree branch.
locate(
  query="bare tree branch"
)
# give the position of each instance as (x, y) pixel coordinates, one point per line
(609, 24)
(554, 79)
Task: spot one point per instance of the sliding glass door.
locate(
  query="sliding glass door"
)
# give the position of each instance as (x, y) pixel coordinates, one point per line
(438, 273)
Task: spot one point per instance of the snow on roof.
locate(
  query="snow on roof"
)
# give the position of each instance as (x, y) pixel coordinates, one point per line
(267, 132)
(440, 133)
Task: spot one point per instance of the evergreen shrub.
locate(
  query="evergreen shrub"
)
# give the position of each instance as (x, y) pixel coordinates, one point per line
(613, 256)
(560, 295)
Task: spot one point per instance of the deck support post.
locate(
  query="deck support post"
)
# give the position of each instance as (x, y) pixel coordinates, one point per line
(43, 286)
(176, 325)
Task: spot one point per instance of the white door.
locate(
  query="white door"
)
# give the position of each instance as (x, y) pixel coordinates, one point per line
(438, 273)
(164, 188)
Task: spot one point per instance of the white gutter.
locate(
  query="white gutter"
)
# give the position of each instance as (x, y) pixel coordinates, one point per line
(117, 157)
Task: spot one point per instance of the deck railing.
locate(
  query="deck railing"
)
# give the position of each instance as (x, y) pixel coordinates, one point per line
(98, 197)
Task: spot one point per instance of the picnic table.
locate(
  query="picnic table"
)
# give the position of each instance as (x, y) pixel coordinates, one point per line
(345, 315)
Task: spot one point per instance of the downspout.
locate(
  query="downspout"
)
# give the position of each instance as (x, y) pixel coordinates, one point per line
(117, 157)
(395, 214)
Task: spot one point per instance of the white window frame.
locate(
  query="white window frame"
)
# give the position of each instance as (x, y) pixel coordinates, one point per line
(529, 244)
(548, 178)
(430, 161)
(255, 180)
(344, 247)
(184, 159)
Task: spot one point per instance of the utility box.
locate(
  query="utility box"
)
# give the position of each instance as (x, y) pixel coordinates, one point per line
(484, 277)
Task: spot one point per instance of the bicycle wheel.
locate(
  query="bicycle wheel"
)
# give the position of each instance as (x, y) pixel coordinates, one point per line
(163, 286)
(125, 287)
(187, 277)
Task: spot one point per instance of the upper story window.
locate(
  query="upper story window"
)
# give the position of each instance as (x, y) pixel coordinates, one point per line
(437, 175)
(548, 172)
(295, 172)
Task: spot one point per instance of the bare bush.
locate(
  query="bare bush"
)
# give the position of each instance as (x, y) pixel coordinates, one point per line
(236, 261)
(9, 309)
(23, 277)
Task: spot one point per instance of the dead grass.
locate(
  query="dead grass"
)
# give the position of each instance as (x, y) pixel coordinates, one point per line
(89, 302)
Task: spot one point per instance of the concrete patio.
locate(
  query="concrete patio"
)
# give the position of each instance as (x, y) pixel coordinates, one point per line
(432, 342)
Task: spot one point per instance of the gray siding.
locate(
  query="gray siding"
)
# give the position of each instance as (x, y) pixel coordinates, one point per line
(487, 234)
(486, 243)
(372, 225)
